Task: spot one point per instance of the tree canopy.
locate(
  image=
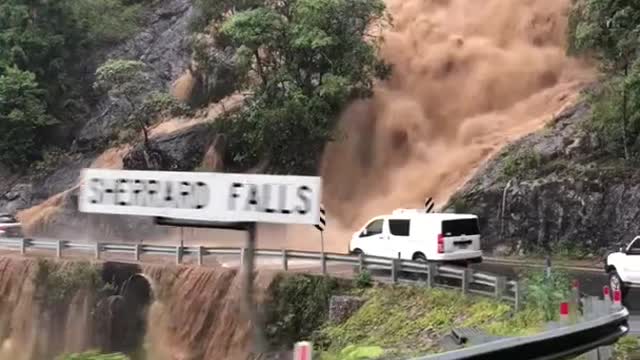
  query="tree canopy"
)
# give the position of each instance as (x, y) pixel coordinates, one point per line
(43, 41)
(302, 61)
(22, 116)
(610, 30)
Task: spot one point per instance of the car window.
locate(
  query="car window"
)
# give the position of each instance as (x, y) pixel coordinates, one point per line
(374, 228)
(634, 248)
(459, 227)
(7, 219)
(399, 227)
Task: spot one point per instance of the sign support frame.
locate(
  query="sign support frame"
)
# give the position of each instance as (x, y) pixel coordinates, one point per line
(248, 264)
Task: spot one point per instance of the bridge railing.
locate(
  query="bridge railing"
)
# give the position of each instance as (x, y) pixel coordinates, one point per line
(423, 273)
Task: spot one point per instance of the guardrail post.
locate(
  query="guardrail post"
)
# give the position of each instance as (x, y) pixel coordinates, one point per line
(501, 284)
(59, 249)
(467, 276)
(433, 272)
(200, 252)
(285, 261)
(179, 254)
(137, 252)
(242, 255)
(517, 296)
(394, 270)
(23, 246)
(323, 262)
(97, 251)
(361, 263)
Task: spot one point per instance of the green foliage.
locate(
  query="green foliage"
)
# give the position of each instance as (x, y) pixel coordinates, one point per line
(212, 12)
(363, 279)
(162, 104)
(611, 31)
(22, 117)
(107, 20)
(121, 78)
(56, 283)
(626, 347)
(459, 205)
(41, 43)
(128, 79)
(302, 61)
(51, 160)
(519, 163)
(399, 318)
(545, 294)
(93, 355)
(299, 305)
(355, 353)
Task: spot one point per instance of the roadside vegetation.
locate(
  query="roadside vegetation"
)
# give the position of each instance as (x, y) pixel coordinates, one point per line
(56, 283)
(393, 319)
(93, 355)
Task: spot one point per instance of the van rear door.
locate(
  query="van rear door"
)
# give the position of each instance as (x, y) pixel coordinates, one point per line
(461, 235)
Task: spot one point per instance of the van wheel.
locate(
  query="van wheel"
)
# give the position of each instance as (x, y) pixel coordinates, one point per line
(419, 257)
(357, 252)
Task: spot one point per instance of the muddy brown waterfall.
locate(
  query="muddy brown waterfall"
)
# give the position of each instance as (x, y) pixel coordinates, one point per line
(469, 77)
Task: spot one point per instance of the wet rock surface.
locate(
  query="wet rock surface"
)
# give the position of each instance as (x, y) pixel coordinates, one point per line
(568, 199)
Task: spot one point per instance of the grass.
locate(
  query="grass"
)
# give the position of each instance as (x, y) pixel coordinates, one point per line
(93, 355)
(520, 163)
(627, 348)
(401, 317)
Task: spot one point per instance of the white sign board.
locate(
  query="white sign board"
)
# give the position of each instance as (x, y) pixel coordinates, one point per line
(202, 196)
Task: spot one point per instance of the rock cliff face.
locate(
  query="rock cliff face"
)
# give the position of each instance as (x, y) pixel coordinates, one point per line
(552, 192)
(163, 45)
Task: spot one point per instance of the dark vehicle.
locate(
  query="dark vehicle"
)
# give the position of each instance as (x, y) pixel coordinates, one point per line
(10, 227)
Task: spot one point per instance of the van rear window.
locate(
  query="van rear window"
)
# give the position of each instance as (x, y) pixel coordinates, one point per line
(399, 227)
(460, 227)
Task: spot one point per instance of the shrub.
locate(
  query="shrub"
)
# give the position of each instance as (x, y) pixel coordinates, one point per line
(363, 280)
(625, 347)
(519, 163)
(545, 294)
(56, 284)
(299, 305)
(93, 355)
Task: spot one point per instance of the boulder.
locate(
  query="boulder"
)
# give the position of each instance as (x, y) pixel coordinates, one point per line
(179, 151)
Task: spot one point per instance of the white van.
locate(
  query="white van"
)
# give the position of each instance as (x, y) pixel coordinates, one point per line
(416, 235)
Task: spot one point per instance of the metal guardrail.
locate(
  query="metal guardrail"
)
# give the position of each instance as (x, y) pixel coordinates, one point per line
(428, 274)
(601, 325)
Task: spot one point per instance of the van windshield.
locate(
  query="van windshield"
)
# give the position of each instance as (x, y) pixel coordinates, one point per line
(460, 227)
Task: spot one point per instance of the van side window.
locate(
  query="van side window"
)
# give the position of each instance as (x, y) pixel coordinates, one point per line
(374, 228)
(459, 227)
(399, 227)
